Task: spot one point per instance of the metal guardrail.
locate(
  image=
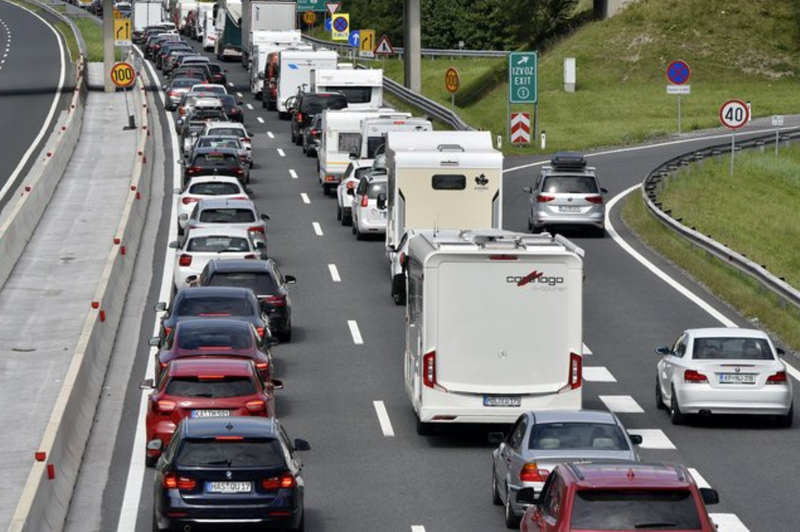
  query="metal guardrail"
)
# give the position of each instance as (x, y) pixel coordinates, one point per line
(67, 20)
(430, 52)
(670, 169)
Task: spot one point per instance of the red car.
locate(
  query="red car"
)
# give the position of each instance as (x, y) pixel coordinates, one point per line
(214, 338)
(618, 496)
(203, 388)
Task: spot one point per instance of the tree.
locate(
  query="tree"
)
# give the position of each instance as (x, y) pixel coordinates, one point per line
(536, 21)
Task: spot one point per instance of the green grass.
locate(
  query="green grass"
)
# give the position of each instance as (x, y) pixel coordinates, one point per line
(72, 43)
(93, 35)
(740, 291)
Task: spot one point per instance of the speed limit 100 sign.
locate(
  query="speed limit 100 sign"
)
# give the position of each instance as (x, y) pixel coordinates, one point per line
(123, 74)
(734, 114)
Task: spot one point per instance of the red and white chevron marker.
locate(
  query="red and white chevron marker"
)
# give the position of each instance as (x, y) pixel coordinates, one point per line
(520, 128)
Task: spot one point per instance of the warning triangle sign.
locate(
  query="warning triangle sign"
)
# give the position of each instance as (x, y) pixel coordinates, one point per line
(384, 46)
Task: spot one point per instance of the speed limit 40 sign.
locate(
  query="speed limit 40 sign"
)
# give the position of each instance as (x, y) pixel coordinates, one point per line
(734, 114)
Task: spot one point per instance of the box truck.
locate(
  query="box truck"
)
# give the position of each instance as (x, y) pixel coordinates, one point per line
(294, 71)
(180, 13)
(362, 88)
(145, 13)
(493, 326)
(263, 15)
(229, 31)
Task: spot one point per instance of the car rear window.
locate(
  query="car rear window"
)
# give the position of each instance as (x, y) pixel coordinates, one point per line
(571, 185)
(183, 82)
(227, 216)
(213, 160)
(314, 104)
(259, 283)
(219, 143)
(214, 307)
(634, 510)
(208, 88)
(211, 389)
(218, 244)
(227, 338)
(215, 68)
(214, 188)
(231, 453)
(374, 189)
(232, 131)
(355, 94)
(732, 349)
(577, 436)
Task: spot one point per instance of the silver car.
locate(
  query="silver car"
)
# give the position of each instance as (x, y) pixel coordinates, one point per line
(539, 441)
(233, 212)
(565, 194)
(723, 371)
(369, 208)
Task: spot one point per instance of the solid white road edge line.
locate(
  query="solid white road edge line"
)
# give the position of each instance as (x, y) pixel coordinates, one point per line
(317, 228)
(383, 419)
(334, 273)
(355, 332)
(305, 198)
(27, 155)
(292, 173)
(133, 486)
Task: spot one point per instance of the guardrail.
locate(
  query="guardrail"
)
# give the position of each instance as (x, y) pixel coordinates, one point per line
(426, 105)
(65, 19)
(45, 498)
(670, 169)
(430, 52)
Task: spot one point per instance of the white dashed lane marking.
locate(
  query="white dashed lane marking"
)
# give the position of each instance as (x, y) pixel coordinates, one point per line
(249, 106)
(622, 404)
(260, 119)
(304, 197)
(317, 228)
(355, 332)
(270, 135)
(292, 173)
(417, 528)
(239, 95)
(383, 419)
(334, 273)
(653, 439)
(698, 478)
(597, 374)
(281, 152)
(728, 523)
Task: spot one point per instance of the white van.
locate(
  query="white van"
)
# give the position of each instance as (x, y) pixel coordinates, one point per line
(443, 180)
(294, 71)
(493, 326)
(341, 136)
(362, 88)
(374, 131)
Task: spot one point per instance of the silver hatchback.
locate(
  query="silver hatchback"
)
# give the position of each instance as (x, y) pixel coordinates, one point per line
(567, 194)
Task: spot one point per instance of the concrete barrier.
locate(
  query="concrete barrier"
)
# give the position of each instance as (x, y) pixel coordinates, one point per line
(45, 498)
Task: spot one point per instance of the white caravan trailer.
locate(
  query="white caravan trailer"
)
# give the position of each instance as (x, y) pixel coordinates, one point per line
(209, 36)
(294, 71)
(374, 131)
(341, 135)
(362, 88)
(493, 326)
(261, 45)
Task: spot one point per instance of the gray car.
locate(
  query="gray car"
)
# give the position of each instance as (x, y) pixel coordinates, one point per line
(539, 441)
(567, 194)
(235, 213)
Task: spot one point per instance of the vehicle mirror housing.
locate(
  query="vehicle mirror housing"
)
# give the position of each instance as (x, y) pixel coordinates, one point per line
(177, 190)
(276, 384)
(265, 217)
(239, 102)
(163, 87)
(636, 439)
(146, 384)
(271, 341)
(603, 190)
(260, 245)
(354, 154)
(527, 496)
(190, 279)
(496, 438)
(174, 244)
(154, 445)
(663, 350)
(154, 341)
(301, 445)
(710, 496)
(390, 249)
(529, 190)
(161, 306)
(780, 352)
(248, 191)
(290, 279)
(183, 217)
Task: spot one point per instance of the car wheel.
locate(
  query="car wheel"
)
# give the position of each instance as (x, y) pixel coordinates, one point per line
(600, 232)
(359, 235)
(263, 103)
(311, 153)
(659, 397)
(150, 461)
(286, 336)
(677, 417)
(786, 420)
(512, 521)
(398, 290)
(347, 219)
(326, 189)
(302, 526)
(156, 528)
(496, 500)
(305, 150)
(294, 137)
(339, 213)
(424, 429)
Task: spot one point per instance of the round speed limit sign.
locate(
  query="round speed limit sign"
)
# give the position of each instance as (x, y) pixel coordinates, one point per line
(123, 74)
(734, 114)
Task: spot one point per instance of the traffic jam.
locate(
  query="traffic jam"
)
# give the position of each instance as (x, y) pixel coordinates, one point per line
(221, 455)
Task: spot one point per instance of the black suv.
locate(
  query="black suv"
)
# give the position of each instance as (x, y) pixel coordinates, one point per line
(307, 104)
(217, 161)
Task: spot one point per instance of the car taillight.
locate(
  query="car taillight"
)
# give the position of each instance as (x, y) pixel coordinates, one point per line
(185, 260)
(364, 200)
(691, 375)
(261, 331)
(350, 184)
(173, 481)
(173, 93)
(193, 169)
(255, 406)
(544, 199)
(299, 117)
(165, 407)
(187, 201)
(251, 256)
(256, 229)
(262, 366)
(777, 378)
(314, 132)
(594, 199)
(330, 178)
(429, 369)
(531, 473)
(575, 371)
(275, 301)
(286, 480)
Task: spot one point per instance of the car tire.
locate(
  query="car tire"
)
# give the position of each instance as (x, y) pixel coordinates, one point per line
(787, 420)
(339, 214)
(294, 137)
(156, 528)
(600, 232)
(347, 219)
(150, 461)
(302, 526)
(305, 150)
(264, 103)
(677, 417)
(359, 235)
(424, 429)
(283, 116)
(496, 500)
(659, 397)
(398, 290)
(311, 153)
(326, 189)
(512, 521)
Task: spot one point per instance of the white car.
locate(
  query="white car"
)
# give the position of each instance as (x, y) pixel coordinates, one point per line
(203, 245)
(355, 171)
(210, 87)
(206, 187)
(218, 129)
(369, 206)
(723, 371)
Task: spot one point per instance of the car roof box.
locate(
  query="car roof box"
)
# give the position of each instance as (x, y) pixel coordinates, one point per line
(568, 161)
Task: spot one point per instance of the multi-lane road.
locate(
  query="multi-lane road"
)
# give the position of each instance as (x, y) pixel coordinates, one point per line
(369, 470)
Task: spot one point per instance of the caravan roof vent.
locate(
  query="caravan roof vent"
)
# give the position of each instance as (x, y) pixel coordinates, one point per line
(568, 161)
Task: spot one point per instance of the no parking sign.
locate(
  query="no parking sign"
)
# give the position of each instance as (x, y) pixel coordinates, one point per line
(340, 27)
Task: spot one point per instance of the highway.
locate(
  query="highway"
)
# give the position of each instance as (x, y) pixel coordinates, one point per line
(33, 73)
(368, 469)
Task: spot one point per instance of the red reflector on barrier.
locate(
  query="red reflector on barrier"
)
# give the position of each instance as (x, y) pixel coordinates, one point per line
(51, 471)
(40, 456)
(102, 315)
(95, 304)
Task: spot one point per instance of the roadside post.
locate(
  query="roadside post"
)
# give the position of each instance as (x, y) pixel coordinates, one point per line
(123, 75)
(452, 82)
(734, 114)
(678, 74)
(777, 121)
(523, 85)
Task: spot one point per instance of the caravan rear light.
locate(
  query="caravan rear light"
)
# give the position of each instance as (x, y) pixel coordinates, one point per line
(544, 199)
(399, 123)
(575, 371)
(502, 257)
(594, 199)
(330, 178)
(364, 200)
(429, 369)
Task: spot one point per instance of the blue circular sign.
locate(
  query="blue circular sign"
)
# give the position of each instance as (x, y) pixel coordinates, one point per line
(340, 24)
(678, 72)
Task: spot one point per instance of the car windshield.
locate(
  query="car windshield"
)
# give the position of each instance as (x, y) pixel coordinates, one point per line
(218, 244)
(661, 509)
(231, 453)
(260, 283)
(218, 338)
(577, 436)
(227, 216)
(361, 172)
(732, 349)
(316, 103)
(355, 94)
(213, 160)
(374, 189)
(217, 388)
(560, 184)
(231, 131)
(214, 306)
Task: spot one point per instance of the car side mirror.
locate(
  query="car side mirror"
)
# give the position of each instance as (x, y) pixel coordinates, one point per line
(351, 192)
(390, 249)
(154, 445)
(527, 496)
(290, 279)
(710, 496)
(271, 341)
(190, 279)
(248, 191)
(496, 438)
(261, 75)
(161, 306)
(276, 384)
(663, 350)
(180, 162)
(636, 439)
(780, 352)
(163, 87)
(183, 217)
(239, 102)
(261, 245)
(177, 190)
(381, 201)
(529, 190)
(154, 341)
(301, 445)
(224, 69)
(603, 190)
(265, 217)
(146, 384)
(174, 244)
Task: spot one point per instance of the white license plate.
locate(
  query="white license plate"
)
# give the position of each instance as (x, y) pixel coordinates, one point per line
(737, 378)
(502, 400)
(568, 208)
(210, 413)
(229, 487)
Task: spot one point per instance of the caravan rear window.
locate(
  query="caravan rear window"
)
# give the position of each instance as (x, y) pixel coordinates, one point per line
(449, 182)
(354, 94)
(348, 141)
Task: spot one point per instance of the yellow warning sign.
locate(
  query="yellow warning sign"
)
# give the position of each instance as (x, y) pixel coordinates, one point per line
(122, 31)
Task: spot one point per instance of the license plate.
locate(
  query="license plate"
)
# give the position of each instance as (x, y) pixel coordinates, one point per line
(210, 413)
(229, 487)
(568, 208)
(737, 378)
(502, 400)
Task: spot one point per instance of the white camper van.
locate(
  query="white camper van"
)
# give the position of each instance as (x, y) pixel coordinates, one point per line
(209, 36)
(341, 136)
(262, 44)
(362, 88)
(294, 71)
(493, 326)
(374, 131)
(443, 180)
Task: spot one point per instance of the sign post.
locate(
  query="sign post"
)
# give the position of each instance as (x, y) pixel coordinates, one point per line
(678, 74)
(123, 75)
(777, 121)
(523, 84)
(451, 83)
(734, 114)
